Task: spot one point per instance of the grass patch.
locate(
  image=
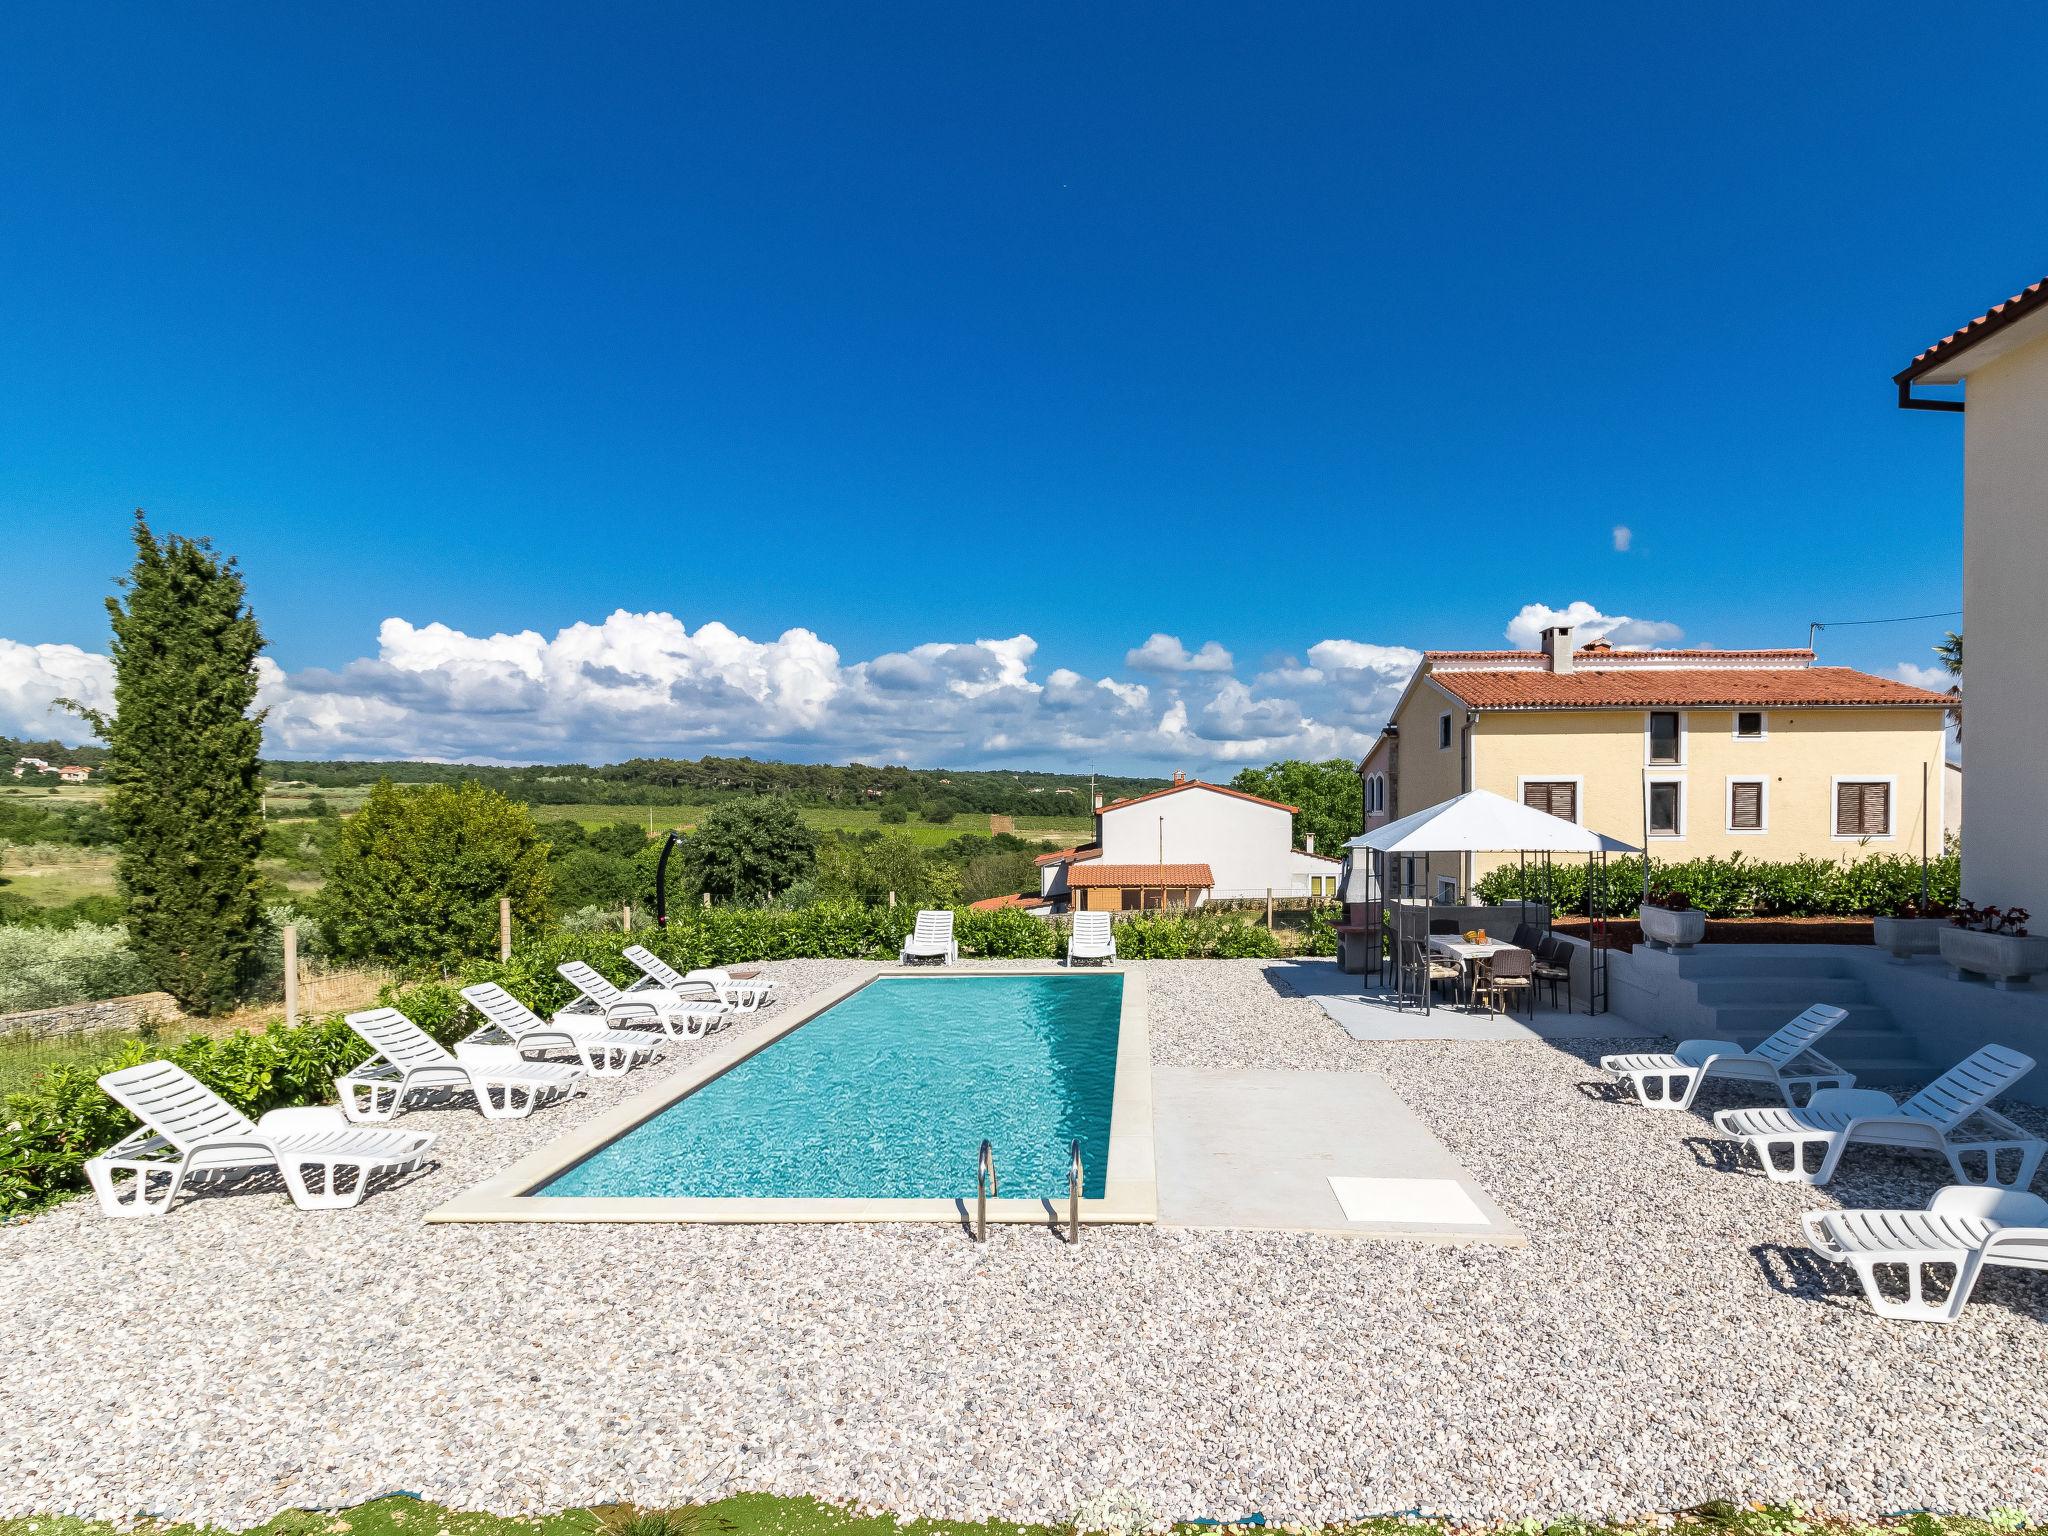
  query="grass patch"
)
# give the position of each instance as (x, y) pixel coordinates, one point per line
(23, 1060)
(756, 1514)
(61, 880)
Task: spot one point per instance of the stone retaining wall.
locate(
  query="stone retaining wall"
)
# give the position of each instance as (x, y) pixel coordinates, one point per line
(81, 1018)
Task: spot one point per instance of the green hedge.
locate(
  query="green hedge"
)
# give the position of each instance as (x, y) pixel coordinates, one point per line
(1879, 885)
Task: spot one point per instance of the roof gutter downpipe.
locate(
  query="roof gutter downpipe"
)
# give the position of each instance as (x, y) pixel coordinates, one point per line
(1908, 401)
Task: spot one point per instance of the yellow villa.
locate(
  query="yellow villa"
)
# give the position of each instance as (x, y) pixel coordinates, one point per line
(1686, 753)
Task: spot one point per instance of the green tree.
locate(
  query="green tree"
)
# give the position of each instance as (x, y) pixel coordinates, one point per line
(184, 791)
(417, 874)
(1329, 799)
(749, 850)
(1951, 653)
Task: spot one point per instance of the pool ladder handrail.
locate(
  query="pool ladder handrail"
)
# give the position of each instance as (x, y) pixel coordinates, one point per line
(1074, 1180)
(984, 1186)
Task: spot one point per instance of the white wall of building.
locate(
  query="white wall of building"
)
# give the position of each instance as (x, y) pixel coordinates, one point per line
(1248, 847)
(2005, 575)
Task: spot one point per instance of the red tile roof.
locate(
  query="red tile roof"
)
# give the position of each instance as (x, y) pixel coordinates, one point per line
(1680, 687)
(1996, 318)
(1174, 789)
(1594, 655)
(1142, 874)
(999, 903)
(1069, 855)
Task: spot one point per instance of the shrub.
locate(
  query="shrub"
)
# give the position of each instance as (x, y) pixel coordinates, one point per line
(1737, 887)
(47, 967)
(749, 850)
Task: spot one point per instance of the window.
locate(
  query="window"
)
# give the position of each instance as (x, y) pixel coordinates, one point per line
(1664, 738)
(1443, 732)
(1746, 805)
(1446, 891)
(1667, 808)
(1376, 792)
(1863, 808)
(1556, 797)
(1749, 724)
(1130, 901)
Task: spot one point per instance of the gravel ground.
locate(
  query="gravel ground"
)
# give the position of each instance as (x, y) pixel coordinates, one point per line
(1661, 1341)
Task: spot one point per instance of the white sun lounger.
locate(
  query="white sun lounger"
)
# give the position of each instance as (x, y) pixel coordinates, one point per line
(1787, 1061)
(189, 1131)
(410, 1061)
(603, 1052)
(1091, 938)
(739, 995)
(1936, 1119)
(600, 998)
(932, 939)
(1964, 1228)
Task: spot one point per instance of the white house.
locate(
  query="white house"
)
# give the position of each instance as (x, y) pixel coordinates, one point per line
(1183, 846)
(2002, 357)
(72, 774)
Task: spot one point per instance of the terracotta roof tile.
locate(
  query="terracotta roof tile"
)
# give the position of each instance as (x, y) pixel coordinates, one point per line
(1069, 855)
(1680, 687)
(1596, 654)
(1997, 317)
(999, 903)
(1174, 789)
(1141, 874)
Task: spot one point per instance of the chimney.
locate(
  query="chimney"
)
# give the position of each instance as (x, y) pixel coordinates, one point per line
(1179, 777)
(1557, 647)
(1309, 843)
(1098, 802)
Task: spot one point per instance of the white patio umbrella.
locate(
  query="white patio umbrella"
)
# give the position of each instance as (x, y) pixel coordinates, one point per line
(1480, 821)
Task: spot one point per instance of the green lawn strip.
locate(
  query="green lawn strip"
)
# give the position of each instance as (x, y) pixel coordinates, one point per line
(760, 1514)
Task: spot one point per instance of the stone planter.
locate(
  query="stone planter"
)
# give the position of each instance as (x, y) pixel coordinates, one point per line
(1665, 929)
(2003, 959)
(1908, 936)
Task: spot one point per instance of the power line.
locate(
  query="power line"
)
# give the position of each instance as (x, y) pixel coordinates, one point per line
(1815, 626)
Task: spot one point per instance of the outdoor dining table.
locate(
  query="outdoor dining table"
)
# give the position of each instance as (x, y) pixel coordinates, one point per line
(1471, 956)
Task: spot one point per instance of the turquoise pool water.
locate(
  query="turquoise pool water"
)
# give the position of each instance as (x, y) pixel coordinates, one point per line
(888, 1095)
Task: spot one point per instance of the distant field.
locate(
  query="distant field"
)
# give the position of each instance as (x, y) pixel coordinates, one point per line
(822, 819)
(66, 794)
(55, 881)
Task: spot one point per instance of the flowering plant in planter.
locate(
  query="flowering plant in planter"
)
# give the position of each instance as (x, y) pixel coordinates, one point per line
(1976, 919)
(1914, 907)
(1670, 901)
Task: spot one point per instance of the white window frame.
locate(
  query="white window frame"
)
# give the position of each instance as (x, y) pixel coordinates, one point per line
(1735, 725)
(1444, 734)
(1439, 897)
(1684, 810)
(1376, 792)
(1576, 780)
(1683, 731)
(1763, 805)
(1891, 807)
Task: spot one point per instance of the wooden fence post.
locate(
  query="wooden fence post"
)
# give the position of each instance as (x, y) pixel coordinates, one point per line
(1269, 909)
(626, 918)
(504, 927)
(707, 901)
(291, 975)
(892, 901)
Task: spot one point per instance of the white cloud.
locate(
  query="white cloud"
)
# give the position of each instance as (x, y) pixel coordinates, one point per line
(1165, 653)
(1623, 537)
(33, 677)
(1525, 629)
(1938, 679)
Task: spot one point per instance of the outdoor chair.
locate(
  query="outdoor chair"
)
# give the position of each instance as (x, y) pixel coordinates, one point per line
(1439, 926)
(1554, 967)
(1787, 1060)
(1438, 969)
(1528, 936)
(1091, 938)
(603, 1052)
(1507, 973)
(191, 1132)
(1936, 1119)
(1964, 1228)
(599, 997)
(931, 939)
(409, 1061)
(739, 994)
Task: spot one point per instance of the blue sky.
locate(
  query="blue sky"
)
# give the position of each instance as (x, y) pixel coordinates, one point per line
(908, 327)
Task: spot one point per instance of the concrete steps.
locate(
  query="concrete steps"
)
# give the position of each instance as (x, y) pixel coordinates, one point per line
(1743, 993)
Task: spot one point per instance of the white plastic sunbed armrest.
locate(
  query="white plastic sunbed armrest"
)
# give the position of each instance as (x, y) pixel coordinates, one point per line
(1696, 1053)
(306, 1117)
(632, 1007)
(1861, 1103)
(1820, 1239)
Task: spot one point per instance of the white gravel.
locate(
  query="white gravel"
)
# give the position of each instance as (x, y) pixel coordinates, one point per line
(1659, 1342)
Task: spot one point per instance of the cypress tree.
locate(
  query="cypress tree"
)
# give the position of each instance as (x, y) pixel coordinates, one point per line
(184, 790)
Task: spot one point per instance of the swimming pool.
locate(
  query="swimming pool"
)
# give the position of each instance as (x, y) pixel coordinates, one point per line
(868, 1102)
(888, 1095)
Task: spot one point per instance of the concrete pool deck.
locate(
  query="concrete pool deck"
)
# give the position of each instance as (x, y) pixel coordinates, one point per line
(1334, 1152)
